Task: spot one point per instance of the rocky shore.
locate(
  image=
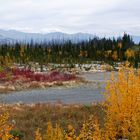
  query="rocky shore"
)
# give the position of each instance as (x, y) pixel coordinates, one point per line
(9, 87)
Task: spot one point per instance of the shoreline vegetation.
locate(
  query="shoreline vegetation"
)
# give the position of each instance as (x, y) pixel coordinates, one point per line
(22, 77)
(17, 79)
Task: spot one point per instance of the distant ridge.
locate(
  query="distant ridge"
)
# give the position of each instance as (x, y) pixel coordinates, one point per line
(4, 39)
(136, 39)
(11, 36)
(38, 37)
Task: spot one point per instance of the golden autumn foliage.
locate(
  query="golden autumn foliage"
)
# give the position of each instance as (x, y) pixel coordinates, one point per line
(120, 45)
(123, 105)
(122, 120)
(5, 128)
(52, 133)
(129, 53)
(90, 130)
(83, 53)
(115, 55)
(107, 53)
(38, 135)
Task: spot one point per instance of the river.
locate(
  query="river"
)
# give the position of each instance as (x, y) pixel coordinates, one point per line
(79, 94)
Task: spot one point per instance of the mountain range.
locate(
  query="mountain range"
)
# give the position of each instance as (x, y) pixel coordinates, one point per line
(12, 36)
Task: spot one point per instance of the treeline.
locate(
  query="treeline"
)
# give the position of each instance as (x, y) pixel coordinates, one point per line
(97, 49)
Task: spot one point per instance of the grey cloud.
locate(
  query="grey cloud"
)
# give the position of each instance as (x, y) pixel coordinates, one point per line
(110, 17)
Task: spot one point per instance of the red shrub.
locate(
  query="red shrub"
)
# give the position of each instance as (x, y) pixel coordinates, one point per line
(27, 74)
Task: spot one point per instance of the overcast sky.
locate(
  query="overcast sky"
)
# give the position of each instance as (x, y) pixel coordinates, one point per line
(100, 17)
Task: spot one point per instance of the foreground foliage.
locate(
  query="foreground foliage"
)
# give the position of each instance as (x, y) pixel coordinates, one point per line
(122, 107)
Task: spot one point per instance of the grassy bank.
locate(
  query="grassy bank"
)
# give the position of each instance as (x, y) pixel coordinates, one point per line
(28, 118)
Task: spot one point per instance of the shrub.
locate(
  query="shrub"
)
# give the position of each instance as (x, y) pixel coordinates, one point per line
(28, 75)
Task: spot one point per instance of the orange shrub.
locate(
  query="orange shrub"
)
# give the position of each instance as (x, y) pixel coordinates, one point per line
(123, 105)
